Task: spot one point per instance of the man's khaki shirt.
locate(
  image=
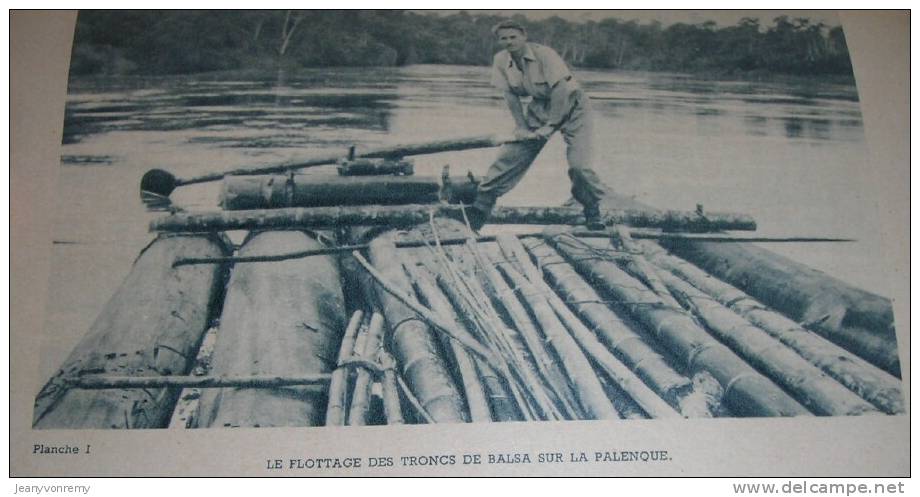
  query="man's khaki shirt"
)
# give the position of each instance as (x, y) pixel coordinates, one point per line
(542, 69)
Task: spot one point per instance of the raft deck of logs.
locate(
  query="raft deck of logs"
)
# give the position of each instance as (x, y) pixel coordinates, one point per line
(357, 300)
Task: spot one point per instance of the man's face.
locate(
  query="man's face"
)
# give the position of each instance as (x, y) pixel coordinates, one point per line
(512, 40)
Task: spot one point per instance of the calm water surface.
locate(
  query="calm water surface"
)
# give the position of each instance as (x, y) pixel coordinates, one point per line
(790, 154)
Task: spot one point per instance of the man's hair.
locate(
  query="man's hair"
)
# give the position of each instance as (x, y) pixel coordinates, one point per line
(508, 24)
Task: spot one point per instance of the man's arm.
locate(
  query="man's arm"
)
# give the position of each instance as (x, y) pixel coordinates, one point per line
(516, 108)
(517, 112)
(558, 106)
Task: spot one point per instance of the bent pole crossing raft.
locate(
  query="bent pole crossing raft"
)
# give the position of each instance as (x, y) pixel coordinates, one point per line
(162, 183)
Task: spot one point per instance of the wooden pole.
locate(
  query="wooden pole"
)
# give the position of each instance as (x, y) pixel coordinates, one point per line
(280, 318)
(747, 392)
(300, 254)
(625, 379)
(360, 401)
(622, 402)
(412, 341)
(410, 215)
(105, 382)
(335, 409)
(151, 325)
(640, 268)
(458, 281)
(647, 234)
(641, 357)
(414, 402)
(519, 373)
(391, 151)
(370, 167)
(537, 346)
(859, 321)
(870, 382)
(392, 407)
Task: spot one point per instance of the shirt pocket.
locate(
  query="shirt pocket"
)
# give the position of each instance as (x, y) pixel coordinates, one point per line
(540, 85)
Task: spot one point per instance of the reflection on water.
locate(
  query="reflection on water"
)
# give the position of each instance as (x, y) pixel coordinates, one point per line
(798, 127)
(231, 110)
(236, 113)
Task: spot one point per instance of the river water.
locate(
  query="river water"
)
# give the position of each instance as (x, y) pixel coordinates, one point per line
(792, 154)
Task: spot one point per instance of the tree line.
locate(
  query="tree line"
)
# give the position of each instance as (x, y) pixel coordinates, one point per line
(184, 42)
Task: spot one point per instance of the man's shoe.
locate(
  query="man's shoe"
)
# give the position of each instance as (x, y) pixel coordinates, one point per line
(476, 217)
(593, 219)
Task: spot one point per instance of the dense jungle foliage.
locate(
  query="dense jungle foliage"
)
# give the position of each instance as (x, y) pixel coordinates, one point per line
(183, 42)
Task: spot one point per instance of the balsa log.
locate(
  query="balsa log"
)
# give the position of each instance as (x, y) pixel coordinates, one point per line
(464, 365)
(392, 407)
(871, 383)
(747, 392)
(471, 299)
(589, 391)
(411, 215)
(284, 318)
(860, 321)
(642, 358)
(536, 344)
(152, 325)
(316, 190)
(413, 345)
(807, 383)
(624, 378)
(335, 409)
(636, 265)
(361, 399)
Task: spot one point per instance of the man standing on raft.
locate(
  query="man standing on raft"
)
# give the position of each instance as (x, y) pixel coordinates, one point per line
(525, 69)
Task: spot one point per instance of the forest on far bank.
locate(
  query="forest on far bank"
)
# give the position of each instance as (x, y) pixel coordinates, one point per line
(186, 42)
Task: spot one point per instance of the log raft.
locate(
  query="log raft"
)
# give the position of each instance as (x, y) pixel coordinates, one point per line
(465, 329)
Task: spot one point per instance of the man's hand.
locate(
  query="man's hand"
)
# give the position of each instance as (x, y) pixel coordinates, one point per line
(523, 134)
(545, 132)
